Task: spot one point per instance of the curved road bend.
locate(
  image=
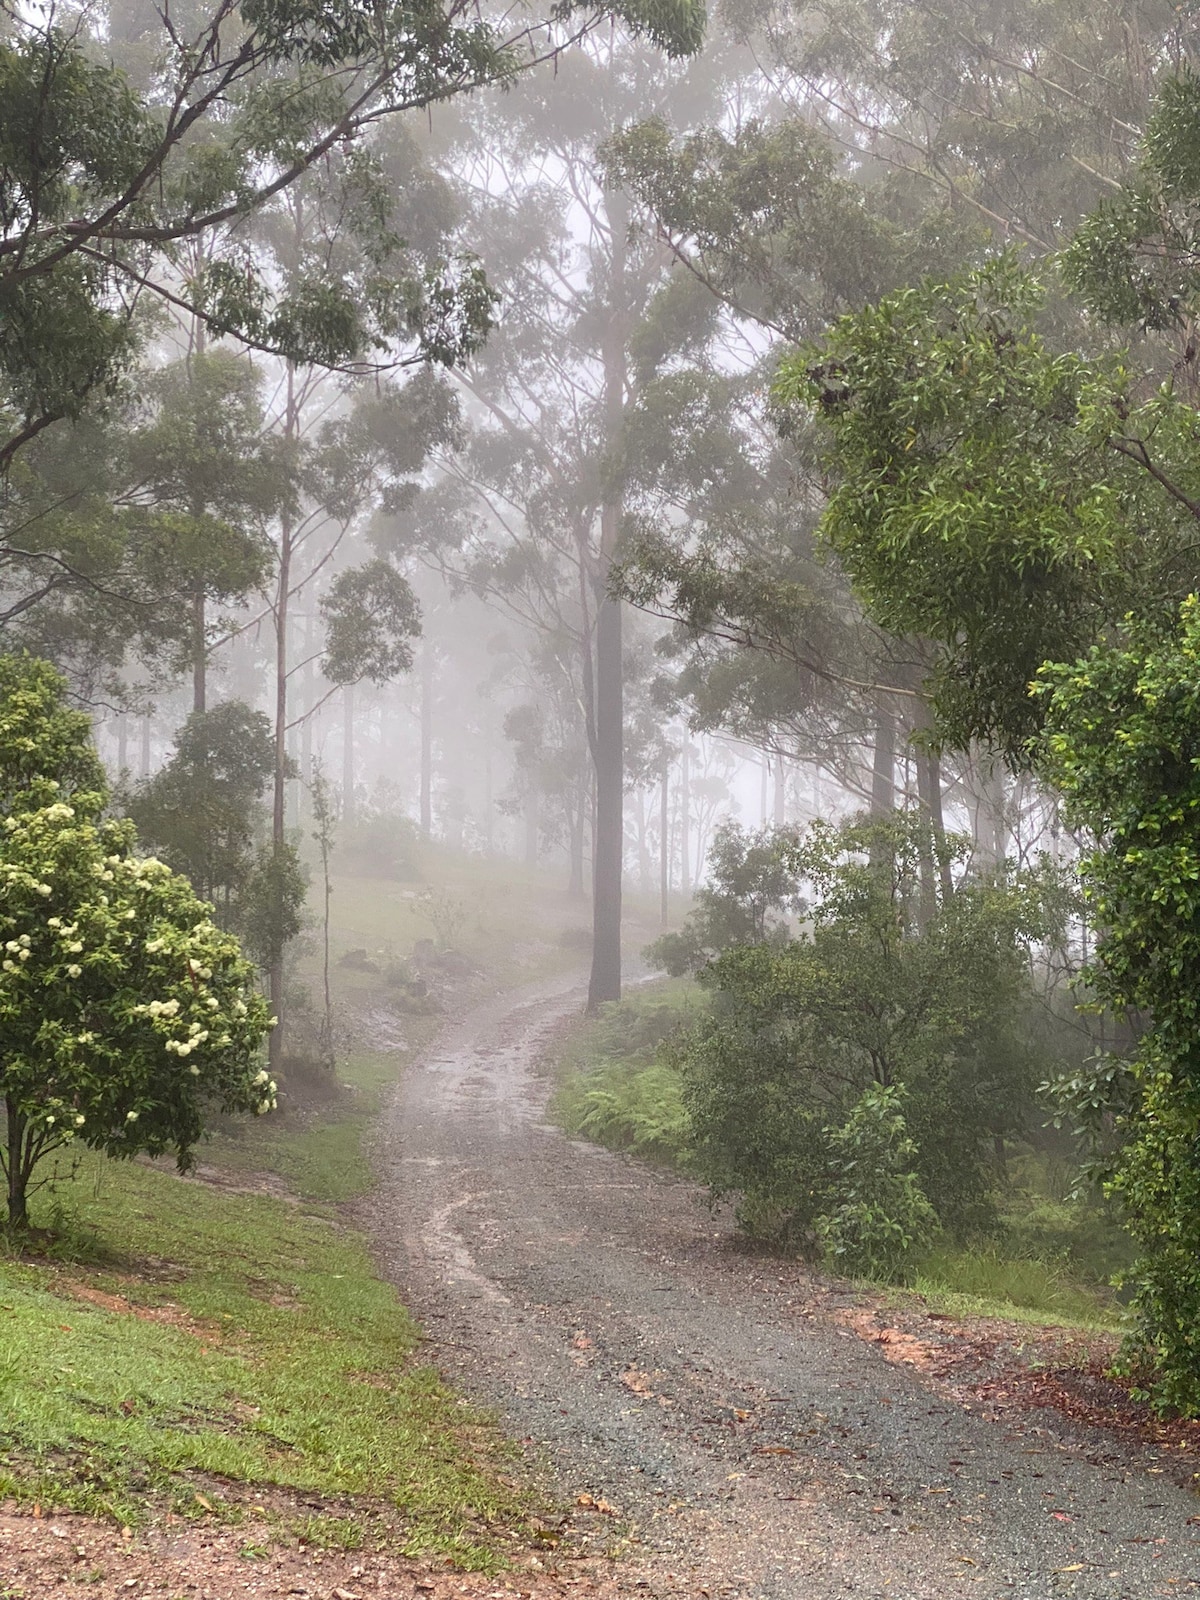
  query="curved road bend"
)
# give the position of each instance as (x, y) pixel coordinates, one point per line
(758, 1452)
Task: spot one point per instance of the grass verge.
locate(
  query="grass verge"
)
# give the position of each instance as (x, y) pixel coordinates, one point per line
(205, 1339)
(195, 1348)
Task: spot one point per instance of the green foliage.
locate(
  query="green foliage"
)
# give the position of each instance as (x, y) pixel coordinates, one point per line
(202, 811)
(876, 1214)
(126, 1014)
(371, 616)
(1134, 259)
(874, 994)
(272, 901)
(618, 1087)
(1121, 745)
(974, 501)
(629, 1105)
(753, 883)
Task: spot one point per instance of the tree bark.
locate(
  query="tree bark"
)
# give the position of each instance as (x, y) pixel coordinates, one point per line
(605, 981)
(609, 749)
(199, 653)
(348, 753)
(279, 787)
(577, 827)
(780, 792)
(883, 760)
(427, 741)
(18, 1215)
(685, 832)
(664, 845)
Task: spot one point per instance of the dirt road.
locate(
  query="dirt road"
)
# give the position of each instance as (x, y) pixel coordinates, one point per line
(756, 1448)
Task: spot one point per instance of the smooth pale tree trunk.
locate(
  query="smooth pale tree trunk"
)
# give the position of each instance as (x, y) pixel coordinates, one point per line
(643, 844)
(306, 727)
(531, 828)
(609, 746)
(427, 741)
(664, 844)
(995, 809)
(279, 787)
(122, 742)
(935, 868)
(145, 762)
(348, 753)
(685, 805)
(605, 983)
(764, 795)
(883, 760)
(577, 831)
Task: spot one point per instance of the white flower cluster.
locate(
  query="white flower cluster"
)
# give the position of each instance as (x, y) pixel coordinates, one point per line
(18, 948)
(59, 812)
(158, 1008)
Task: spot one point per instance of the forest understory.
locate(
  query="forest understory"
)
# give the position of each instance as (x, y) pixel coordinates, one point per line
(690, 1415)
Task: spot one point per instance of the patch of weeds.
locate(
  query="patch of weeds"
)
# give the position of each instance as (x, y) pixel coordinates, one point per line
(324, 1532)
(614, 1086)
(987, 1280)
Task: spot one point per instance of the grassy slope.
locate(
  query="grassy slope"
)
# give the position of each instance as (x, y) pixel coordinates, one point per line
(194, 1345)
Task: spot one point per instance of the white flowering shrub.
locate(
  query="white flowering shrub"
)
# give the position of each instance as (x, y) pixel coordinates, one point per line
(126, 1015)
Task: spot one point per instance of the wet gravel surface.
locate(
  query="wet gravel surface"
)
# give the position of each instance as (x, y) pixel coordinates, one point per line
(702, 1398)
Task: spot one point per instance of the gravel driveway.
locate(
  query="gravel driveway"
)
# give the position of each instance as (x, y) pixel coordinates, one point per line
(753, 1447)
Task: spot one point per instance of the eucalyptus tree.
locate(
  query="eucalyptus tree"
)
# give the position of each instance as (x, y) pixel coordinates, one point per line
(550, 397)
(134, 151)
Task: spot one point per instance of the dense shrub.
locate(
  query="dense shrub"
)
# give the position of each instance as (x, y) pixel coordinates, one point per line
(876, 1216)
(881, 990)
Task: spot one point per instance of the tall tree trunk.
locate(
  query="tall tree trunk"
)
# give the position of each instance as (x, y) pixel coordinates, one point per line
(306, 727)
(145, 755)
(765, 790)
(685, 818)
(199, 652)
(18, 1215)
(643, 844)
(279, 788)
(609, 749)
(348, 753)
(427, 740)
(605, 981)
(780, 792)
(935, 867)
(122, 742)
(883, 760)
(576, 829)
(664, 844)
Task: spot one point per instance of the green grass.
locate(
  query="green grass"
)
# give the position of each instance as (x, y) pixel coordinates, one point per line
(284, 1362)
(268, 1355)
(989, 1280)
